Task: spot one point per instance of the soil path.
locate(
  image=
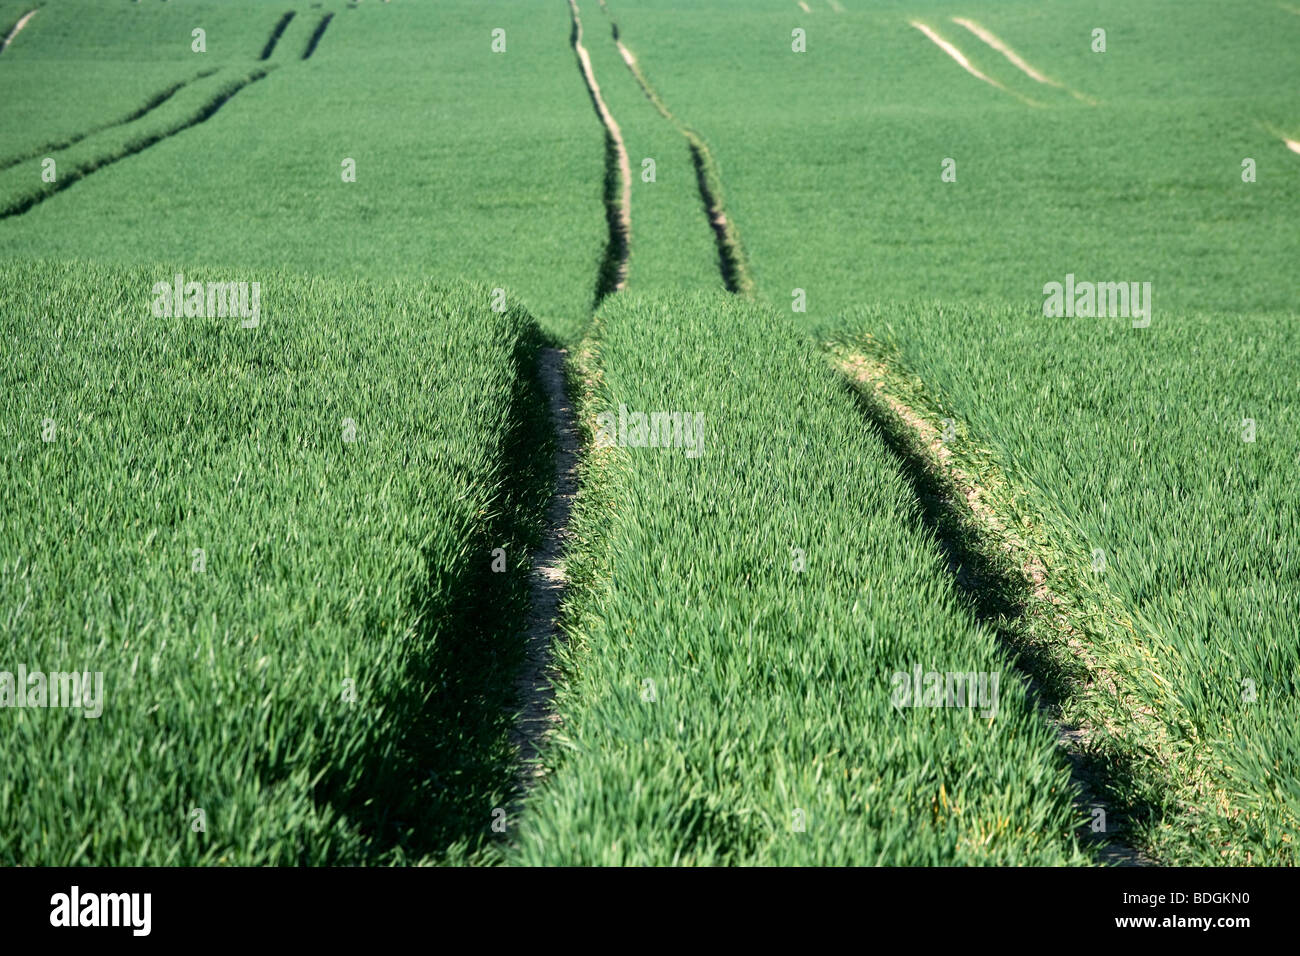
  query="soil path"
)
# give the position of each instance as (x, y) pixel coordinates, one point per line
(1015, 59)
(22, 22)
(621, 212)
(962, 61)
(547, 586)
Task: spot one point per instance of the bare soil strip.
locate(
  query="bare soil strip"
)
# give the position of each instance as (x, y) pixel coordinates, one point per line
(75, 175)
(964, 499)
(992, 40)
(731, 254)
(149, 105)
(535, 684)
(731, 262)
(316, 35)
(276, 33)
(618, 206)
(22, 22)
(964, 63)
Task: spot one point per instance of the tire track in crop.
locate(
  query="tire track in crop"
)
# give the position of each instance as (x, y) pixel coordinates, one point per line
(17, 27)
(618, 175)
(316, 35)
(991, 39)
(967, 530)
(65, 180)
(962, 61)
(548, 581)
(151, 104)
(276, 33)
(732, 262)
(1286, 140)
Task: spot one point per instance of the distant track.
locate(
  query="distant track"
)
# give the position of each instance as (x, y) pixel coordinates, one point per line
(75, 175)
(151, 104)
(923, 458)
(22, 22)
(731, 254)
(316, 35)
(991, 39)
(1287, 141)
(276, 34)
(618, 176)
(961, 60)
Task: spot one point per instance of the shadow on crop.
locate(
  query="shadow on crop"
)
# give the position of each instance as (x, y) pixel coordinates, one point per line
(996, 593)
(441, 760)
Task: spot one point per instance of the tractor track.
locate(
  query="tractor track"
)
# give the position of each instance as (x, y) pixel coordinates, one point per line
(548, 581)
(618, 175)
(992, 40)
(276, 33)
(17, 27)
(316, 35)
(732, 262)
(78, 173)
(949, 496)
(964, 62)
(149, 105)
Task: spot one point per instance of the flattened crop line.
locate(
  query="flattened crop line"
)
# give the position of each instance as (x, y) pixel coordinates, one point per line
(316, 35)
(964, 63)
(618, 175)
(276, 34)
(991, 39)
(731, 254)
(731, 257)
(151, 104)
(22, 22)
(957, 504)
(66, 179)
(548, 581)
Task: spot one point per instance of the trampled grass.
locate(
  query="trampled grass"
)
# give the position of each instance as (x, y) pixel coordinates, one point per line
(275, 545)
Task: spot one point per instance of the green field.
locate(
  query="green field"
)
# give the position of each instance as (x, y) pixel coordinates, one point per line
(1130, 440)
(767, 590)
(832, 257)
(280, 566)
